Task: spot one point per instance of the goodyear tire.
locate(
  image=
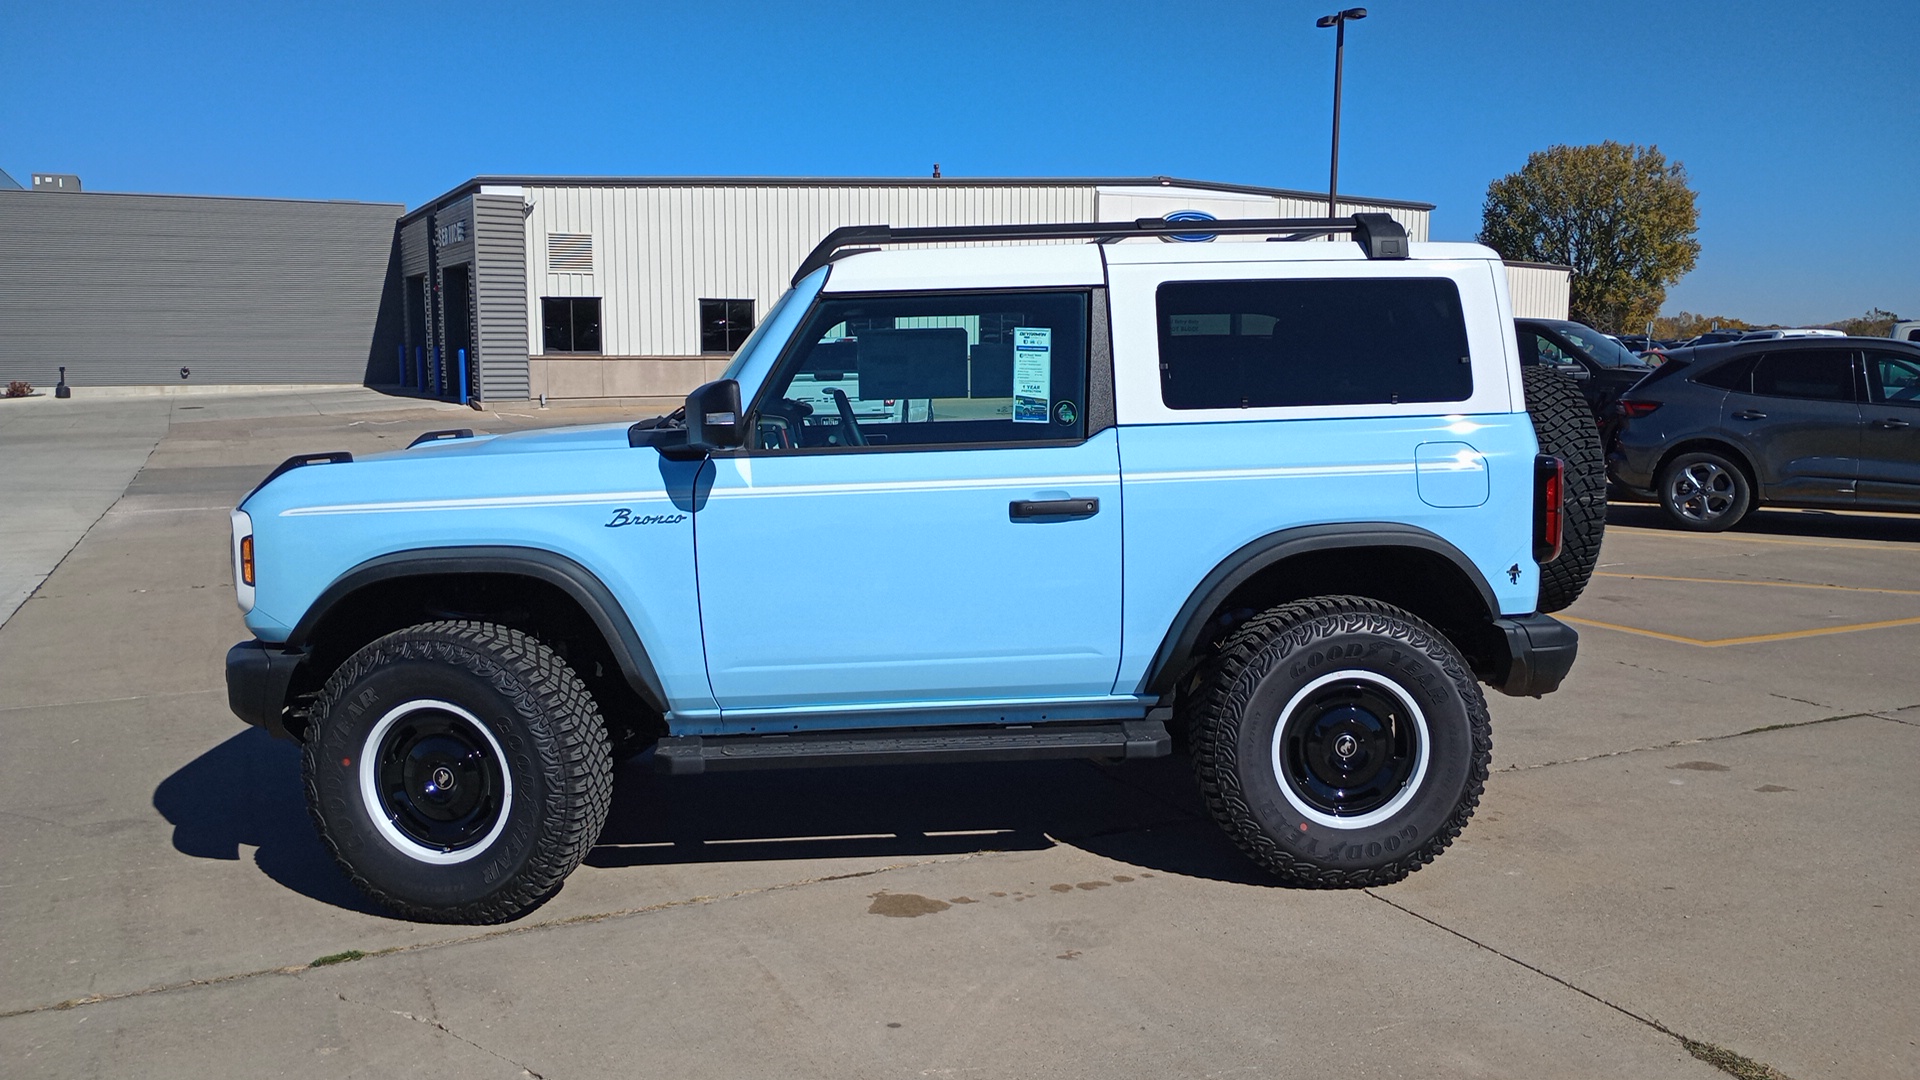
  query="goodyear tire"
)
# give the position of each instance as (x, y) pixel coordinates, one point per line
(458, 771)
(1339, 741)
(1564, 427)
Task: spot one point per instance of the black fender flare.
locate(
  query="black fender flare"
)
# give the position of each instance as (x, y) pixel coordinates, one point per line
(571, 578)
(1257, 555)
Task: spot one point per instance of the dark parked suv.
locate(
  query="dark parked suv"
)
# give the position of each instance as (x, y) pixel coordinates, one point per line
(1810, 422)
(1603, 368)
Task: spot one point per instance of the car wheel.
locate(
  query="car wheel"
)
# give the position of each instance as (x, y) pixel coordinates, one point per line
(1341, 742)
(458, 771)
(1705, 492)
(1563, 425)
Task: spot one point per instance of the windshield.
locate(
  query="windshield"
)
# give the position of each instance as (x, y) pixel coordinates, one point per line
(776, 327)
(1605, 351)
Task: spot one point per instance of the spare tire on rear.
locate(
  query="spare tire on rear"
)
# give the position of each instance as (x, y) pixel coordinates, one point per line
(1565, 428)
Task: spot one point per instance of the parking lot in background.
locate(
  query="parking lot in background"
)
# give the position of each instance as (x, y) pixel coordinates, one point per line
(1704, 844)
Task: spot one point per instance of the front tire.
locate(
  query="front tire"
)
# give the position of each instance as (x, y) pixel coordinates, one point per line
(458, 771)
(1340, 742)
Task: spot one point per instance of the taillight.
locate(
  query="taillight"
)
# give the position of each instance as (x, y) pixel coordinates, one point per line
(1632, 409)
(1549, 510)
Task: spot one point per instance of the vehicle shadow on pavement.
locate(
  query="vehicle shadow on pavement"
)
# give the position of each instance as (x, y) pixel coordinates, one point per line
(246, 792)
(1770, 522)
(1143, 813)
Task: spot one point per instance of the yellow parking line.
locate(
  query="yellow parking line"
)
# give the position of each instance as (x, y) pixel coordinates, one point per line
(1765, 584)
(1748, 538)
(1786, 635)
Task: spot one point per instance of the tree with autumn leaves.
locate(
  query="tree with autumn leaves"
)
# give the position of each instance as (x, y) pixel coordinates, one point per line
(1620, 215)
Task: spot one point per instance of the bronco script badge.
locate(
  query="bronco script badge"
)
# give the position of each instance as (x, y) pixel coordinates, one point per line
(624, 516)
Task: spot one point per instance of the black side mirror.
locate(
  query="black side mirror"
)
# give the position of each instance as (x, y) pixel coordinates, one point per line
(713, 417)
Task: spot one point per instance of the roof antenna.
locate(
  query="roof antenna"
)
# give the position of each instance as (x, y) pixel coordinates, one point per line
(936, 170)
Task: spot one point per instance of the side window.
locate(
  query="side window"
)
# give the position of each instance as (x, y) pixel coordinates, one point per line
(1736, 374)
(1256, 344)
(927, 370)
(1813, 374)
(1548, 352)
(1893, 379)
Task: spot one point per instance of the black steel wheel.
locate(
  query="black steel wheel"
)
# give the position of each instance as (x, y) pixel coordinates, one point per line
(437, 778)
(458, 771)
(1349, 745)
(1339, 741)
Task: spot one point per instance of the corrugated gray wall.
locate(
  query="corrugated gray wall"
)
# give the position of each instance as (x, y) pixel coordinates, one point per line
(500, 294)
(128, 289)
(1539, 290)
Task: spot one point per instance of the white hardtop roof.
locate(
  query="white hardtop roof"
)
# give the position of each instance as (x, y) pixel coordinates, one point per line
(1063, 265)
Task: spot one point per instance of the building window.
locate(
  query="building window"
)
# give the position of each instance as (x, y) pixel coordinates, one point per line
(724, 324)
(572, 324)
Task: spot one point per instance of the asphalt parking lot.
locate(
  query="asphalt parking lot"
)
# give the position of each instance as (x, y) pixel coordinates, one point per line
(1703, 849)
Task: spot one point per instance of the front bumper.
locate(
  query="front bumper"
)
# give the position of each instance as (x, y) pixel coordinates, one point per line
(258, 675)
(1539, 653)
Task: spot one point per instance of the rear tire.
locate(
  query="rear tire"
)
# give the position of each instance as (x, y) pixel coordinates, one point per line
(1564, 427)
(458, 771)
(1704, 492)
(1339, 741)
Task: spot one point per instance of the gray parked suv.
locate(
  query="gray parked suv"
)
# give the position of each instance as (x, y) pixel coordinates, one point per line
(1808, 422)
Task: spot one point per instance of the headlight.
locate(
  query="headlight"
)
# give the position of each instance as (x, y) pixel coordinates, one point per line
(243, 560)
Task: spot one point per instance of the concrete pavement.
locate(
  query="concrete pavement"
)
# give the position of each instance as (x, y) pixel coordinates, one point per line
(1694, 839)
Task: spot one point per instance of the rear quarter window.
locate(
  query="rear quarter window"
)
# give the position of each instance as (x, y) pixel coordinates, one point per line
(1260, 344)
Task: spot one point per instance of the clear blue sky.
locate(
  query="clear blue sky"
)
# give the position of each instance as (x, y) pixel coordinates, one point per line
(1799, 125)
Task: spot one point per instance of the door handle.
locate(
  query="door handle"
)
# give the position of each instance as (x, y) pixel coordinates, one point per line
(1749, 414)
(1891, 424)
(1021, 509)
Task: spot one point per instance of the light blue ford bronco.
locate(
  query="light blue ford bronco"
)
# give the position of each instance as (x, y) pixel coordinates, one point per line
(1005, 500)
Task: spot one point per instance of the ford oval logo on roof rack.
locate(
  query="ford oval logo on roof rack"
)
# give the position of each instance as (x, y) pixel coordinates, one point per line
(1190, 215)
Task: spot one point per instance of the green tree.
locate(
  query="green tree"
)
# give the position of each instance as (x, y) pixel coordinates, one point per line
(1620, 215)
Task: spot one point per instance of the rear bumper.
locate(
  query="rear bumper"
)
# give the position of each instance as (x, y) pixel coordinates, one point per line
(258, 675)
(1539, 653)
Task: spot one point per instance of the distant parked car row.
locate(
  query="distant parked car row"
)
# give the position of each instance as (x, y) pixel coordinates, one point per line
(1781, 417)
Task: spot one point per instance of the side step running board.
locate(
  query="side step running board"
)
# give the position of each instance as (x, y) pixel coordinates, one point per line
(683, 754)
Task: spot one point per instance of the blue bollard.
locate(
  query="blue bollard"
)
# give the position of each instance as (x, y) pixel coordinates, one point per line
(463, 377)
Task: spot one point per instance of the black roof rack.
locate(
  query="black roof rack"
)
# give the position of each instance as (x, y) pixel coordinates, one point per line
(1379, 235)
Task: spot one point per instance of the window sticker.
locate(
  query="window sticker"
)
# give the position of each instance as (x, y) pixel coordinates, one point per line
(1032, 374)
(1198, 325)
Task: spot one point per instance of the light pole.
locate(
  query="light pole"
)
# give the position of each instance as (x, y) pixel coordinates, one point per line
(1338, 21)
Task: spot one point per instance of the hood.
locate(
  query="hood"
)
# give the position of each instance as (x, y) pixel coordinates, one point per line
(544, 440)
(459, 472)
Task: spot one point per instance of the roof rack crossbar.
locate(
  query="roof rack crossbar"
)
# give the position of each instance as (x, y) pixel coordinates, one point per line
(1378, 234)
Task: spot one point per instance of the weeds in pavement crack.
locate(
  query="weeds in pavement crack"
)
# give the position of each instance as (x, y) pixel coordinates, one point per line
(1696, 742)
(1727, 1061)
(450, 1033)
